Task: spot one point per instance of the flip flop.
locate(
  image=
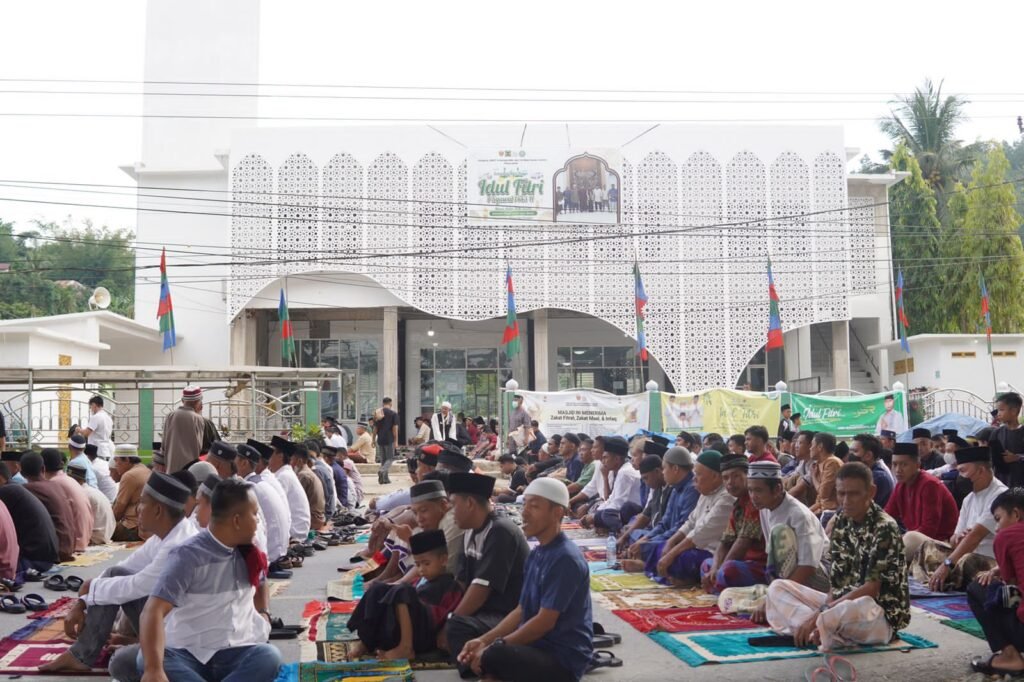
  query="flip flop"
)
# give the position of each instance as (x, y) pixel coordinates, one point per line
(73, 582)
(33, 576)
(319, 546)
(286, 631)
(841, 669)
(984, 666)
(599, 630)
(279, 574)
(34, 602)
(819, 674)
(604, 659)
(11, 604)
(56, 583)
(8, 585)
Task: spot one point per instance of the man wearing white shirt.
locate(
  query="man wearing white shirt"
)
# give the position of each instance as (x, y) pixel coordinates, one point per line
(102, 513)
(274, 509)
(104, 481)
(623, 485)
(334, 436)
(298, 503)
(265, 475)
(100, 428)
(592, 493)
(127, 585)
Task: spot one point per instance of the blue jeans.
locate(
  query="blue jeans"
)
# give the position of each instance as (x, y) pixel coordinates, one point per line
(252, 663)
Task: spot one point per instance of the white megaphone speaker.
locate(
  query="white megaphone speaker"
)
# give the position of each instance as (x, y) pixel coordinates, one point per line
(100, 299)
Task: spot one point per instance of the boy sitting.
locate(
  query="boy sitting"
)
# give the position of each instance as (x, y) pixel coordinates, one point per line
(400, 621)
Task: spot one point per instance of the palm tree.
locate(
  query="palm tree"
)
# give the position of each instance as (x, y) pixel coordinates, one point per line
(926, 122)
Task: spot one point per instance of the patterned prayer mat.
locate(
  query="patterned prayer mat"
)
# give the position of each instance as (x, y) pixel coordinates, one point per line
(623, 581)
(362, 671)
(969, 625)
(39, 642)
(919, 590)
(601, 568)
(589, 543)
(955, 608)
(278, 586)
(58, 608)
(49, 630)
(349, 587)
(732, 647)
(595, 554)
(697, 619)
(654, 599)
(341, 652)
(88, 559)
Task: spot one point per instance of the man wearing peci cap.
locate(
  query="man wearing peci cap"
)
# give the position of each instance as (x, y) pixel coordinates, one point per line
(624, 485)
(127, 585)
(102, 513)
(740, 558)
(298, 503)
(342, 486)
(643, 523)
(222, 456)
(76, 453)
(12, 458)
(273, 506)
(491, 570)
(37, 534)
(132, 475)
(184, 429)
(264, 475)
(548, 636)
(920, 503)
(677, 470)
(53, 471)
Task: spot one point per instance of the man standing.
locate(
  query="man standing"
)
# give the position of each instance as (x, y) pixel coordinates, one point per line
(443, 424)
(184, 429)
(869, 599)
(128, 584)
(786, 423)
(1007, 443)
(386, 430)
(518, 425)
(548, 635)
(102, 513)
(132, 476)
(207, 618)
(298, 503)
(53, 471)
(921, 504)
(494, 552)
(362, 449)
(100, 428)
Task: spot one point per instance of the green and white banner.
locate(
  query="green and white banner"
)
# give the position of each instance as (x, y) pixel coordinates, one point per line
(850, 415)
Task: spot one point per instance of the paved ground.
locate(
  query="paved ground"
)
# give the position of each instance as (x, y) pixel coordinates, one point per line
(645, 661)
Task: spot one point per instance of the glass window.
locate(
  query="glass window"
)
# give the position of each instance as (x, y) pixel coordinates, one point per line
(481, 394)
(587, 356)
(309, 353)
(427, 388)
(348, 356)
(482, 358)
(564, 378)
(618, 356)
(450, 385)
(329, 353)
(564, 356)
(426, 358)
(450, 358)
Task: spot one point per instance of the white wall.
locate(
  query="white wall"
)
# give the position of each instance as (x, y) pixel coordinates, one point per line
(935, 366)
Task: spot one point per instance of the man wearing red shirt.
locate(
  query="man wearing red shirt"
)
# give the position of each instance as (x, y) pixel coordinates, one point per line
(756, 442)
(921, 504)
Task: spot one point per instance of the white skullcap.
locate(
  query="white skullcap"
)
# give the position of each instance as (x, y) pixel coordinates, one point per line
(446, 404)
(549, 489)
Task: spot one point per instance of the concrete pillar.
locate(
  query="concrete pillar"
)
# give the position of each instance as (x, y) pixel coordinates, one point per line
(798, 353)
(243, 339)
(841, 354)
(389, 354)
(541, 355)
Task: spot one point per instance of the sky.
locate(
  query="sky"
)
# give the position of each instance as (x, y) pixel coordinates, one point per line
(838, 63)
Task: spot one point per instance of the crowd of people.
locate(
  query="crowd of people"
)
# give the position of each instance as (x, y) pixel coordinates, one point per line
(819, 538)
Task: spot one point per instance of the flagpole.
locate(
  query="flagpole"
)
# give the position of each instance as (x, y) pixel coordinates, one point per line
(987, 317)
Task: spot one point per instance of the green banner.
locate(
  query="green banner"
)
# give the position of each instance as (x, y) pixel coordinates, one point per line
(850, 415)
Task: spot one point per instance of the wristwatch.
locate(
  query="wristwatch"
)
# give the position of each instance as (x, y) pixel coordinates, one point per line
(948, 563)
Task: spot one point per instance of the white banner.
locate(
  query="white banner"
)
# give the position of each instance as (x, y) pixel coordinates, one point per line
(544, 185)
(581, 411)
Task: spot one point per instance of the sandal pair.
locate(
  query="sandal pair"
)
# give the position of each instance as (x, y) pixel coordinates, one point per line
(59, 583)
(604, 659)
(835, 669)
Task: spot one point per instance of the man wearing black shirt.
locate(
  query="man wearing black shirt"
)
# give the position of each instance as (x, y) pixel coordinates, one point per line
(538, 441)
(386, 429)
(1007, 442)
(37, 536)
(491, 569)
(513, 468)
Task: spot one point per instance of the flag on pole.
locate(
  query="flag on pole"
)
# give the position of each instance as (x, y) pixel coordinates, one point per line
(164, 310)
(986, 313)
(287, 337)
(901, 313)
(640, 297)
(510, 339)
(774, 320)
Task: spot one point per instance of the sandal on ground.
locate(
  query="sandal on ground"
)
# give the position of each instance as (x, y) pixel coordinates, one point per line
(73, 582)
(8, 585)
(599, 630)
(985, 667)
(819, 673)
(319, 546)
(604, 659)
(842, 670)
(10, 604)
(34, 602)
(56, 583)
(279, 574)
(33, 576)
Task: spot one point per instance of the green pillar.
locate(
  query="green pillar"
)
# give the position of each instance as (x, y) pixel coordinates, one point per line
(311, 405)
(146, 419)
(655, 410)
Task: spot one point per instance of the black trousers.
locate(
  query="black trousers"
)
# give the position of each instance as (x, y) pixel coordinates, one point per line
(1001, 625)
(461, 629)
(517, 663)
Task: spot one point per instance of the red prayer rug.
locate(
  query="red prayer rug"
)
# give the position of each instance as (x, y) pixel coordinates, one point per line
(696, 619)
(39, 642)
(58, 609)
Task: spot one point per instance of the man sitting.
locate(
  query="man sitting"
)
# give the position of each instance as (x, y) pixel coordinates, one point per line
(128, 584)
(797, 546)
(53, 471)
(921, 505)
(824, 466)
(548, 635)
(37, 536)
(927, 455)
(491, 570)
(740, 558)
(681, 556)
(57, 505)
(516, 473)
(102, 513)
(346, 500)
(12, 458)
(969, 551)
(76, 453)
(131, 475)
(677, 470)
(868, 450)
(213, 595)
(869, 598)
(644, 523)
(623, 482)
(755, 440)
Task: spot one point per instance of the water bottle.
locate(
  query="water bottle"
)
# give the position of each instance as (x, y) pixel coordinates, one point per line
(610, 546)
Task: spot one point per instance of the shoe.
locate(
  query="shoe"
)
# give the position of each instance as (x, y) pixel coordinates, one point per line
(279, 574)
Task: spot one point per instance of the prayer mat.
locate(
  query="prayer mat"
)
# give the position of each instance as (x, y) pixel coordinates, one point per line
(340, 652)
(732, 647)
(277, 586)
(654, 599)
(969, 625)
(571, 525)
(696, 619)
(349, 587)
(624, 581)
(361, 671)
(57, 609)
(362, 538)
(24, 658)
(954, 608)
(601, 568)
(88, 559)
(595, 554)
(919, 590)
(49, 630)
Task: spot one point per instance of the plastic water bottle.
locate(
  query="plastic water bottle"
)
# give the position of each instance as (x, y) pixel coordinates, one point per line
(610, 546)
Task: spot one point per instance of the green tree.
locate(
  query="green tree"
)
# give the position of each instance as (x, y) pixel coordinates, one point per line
(989, 244)
(917, 244)
(926, 122)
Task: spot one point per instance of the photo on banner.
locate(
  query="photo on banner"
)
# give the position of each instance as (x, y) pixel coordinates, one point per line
(582, 411)
(719, 410)
(850, 415)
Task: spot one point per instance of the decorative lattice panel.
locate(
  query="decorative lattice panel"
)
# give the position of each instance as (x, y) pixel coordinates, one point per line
(403, 223)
